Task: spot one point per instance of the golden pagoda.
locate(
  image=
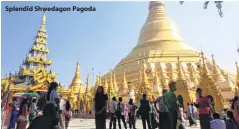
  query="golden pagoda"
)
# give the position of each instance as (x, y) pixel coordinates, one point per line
(161, 45)
(33, 74)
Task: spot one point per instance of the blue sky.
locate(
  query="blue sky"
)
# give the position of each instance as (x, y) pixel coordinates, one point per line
(102, 38)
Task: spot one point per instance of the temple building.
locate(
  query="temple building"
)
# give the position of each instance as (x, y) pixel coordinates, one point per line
(33, 74)
(162, 55)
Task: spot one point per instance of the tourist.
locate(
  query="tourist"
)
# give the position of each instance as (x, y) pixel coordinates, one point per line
(52, 96)
(13, 118)
(23, 114)
(126, 111)
(120, 113)
(224, 114)
(235, 108)
(217, 123)
(163, 111)
(7, 114)
(132, 118)
(113, 108)
(231, 123)
(144, 110)
(172, 104)
(181, 120)
(193, 112)
(203, 106)
(100, 108)
(153, 122)
(67, 114)
(190, 115)
(46, 121)
(33, 110)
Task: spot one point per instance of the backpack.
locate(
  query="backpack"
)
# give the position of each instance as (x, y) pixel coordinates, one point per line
(118, 111)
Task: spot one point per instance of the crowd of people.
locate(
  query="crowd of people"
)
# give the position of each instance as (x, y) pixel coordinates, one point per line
(165, 112)
(29, 116)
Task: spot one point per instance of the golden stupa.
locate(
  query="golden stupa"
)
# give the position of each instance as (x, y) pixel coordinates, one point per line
(162, 55)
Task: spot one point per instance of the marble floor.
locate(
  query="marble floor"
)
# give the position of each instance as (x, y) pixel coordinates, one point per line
(90, 124)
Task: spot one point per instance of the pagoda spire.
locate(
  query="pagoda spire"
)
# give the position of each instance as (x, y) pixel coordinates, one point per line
(216, 73)
(145, 83)
(162, 77)
(76, 82)
(106, 84)
(77, 78)
(87, 89)
(193, 74)
(39, 50)
(87, 96)
(97, 81)
(111, 86)
(115, 83)
(205, 70)
(100, 82)
(156, 84)
(125, 85)
(180, 70)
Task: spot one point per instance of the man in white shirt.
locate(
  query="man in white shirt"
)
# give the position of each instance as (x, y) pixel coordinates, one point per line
(217, 123)
(113, 108)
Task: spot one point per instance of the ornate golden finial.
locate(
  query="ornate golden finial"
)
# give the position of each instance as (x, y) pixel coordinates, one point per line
(77, 78)
(115, 83)
(87, 96)
(125, 87)
(111, 86)
(145, 83)
(43, 22)
(97, 81)
(87, 89)
(156, 86)
(204, 68)
(162, 77)
(180, 70)
(216, 73)
(193, 74)
(100, 82)
(106, 84)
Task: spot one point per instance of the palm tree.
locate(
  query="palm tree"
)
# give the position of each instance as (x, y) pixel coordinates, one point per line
(218, 5)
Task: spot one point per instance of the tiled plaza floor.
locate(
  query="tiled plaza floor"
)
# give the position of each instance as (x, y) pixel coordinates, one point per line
(90, 124)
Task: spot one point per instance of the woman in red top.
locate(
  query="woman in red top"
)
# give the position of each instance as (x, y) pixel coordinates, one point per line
(204, 110)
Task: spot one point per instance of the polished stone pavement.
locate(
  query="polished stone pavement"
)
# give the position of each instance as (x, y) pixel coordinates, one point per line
(90, 124)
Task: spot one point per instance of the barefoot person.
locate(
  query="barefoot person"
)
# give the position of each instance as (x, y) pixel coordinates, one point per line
(100, 108)
(204, 110)
(67, 114)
